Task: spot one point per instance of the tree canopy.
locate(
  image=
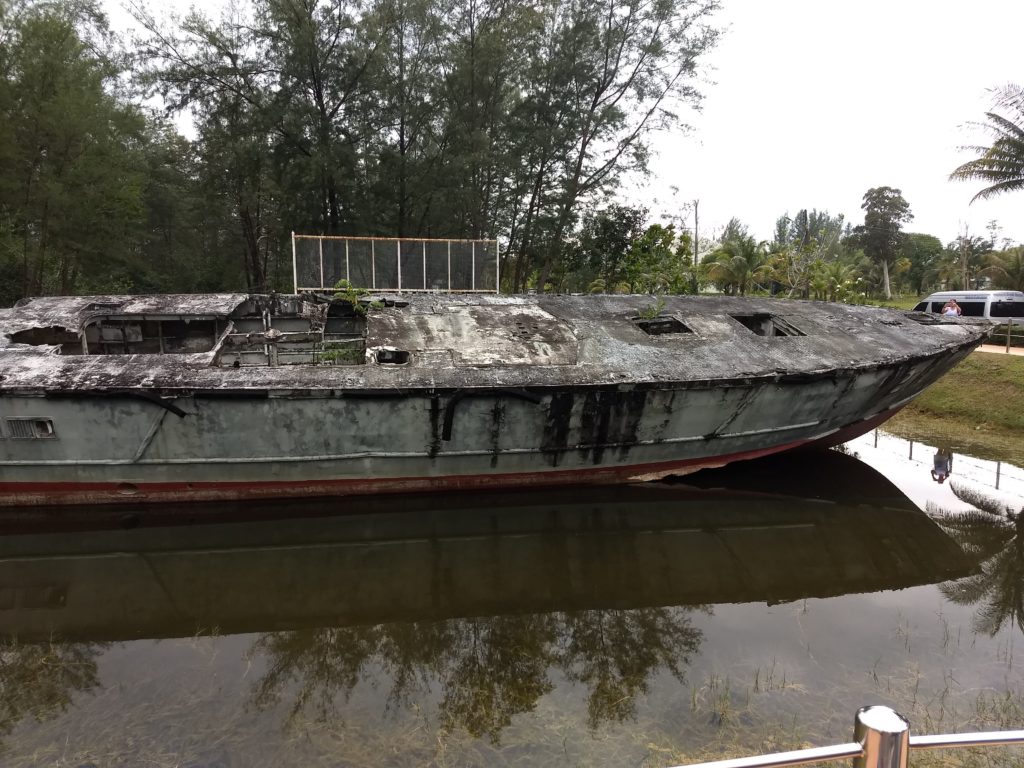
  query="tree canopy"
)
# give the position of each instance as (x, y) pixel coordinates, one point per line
(414, 118)
(435, 119)
(451, 118)
(885, 213)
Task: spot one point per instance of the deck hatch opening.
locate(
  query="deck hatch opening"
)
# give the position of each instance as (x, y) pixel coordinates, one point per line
(30, 429)
(657, 326)
(53, 336)
(764, 324)
(389, 356)
(147, 335)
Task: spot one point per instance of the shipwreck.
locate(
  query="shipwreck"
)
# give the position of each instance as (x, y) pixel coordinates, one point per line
(237, 396)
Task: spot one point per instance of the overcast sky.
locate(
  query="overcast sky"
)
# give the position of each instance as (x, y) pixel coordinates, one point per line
(810, 103)
(813, 102)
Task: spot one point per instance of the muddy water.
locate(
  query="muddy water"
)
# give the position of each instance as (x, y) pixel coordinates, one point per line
(748, 609)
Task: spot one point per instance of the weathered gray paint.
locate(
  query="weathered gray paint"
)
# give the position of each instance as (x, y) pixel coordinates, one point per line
(492, 386)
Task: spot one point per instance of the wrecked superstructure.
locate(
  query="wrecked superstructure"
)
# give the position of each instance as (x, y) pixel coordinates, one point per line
(163, 398)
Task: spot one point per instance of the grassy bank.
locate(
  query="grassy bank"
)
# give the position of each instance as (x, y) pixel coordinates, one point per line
(977, 408)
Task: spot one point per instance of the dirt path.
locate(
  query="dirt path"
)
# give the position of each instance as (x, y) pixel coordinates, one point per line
(998, 349)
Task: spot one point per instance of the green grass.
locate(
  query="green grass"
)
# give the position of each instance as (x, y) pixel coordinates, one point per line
(978, 407)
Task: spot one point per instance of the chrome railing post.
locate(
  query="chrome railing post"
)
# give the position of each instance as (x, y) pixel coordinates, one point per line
(884, 735)
(881, 740)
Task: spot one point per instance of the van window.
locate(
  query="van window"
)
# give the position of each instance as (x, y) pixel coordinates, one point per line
(937, 306)
(1006, 309)
(922, 307)
(972, 308)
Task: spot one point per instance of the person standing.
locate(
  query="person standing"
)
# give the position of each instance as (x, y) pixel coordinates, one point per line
(952, 309)
(942, 465)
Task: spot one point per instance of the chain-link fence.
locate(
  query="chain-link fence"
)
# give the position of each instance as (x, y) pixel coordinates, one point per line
(320, 262)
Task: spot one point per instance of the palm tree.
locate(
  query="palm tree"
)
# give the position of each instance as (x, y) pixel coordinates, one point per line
(841, 278)
(1007, 269)
(995, 537)
(738, 262)
(1001, 165)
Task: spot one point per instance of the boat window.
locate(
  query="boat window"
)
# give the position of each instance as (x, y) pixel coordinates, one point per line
(1006, 309)
(768, 325)
(30, 429)
(657, 326)
(937, 306)
(972, 308)
(922, 307)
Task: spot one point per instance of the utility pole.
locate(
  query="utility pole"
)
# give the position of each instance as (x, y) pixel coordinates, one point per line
(964, 235)
(694, 286)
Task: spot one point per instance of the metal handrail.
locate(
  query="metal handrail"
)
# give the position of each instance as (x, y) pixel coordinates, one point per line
(796, 757)
(954, 740)
(882, 740)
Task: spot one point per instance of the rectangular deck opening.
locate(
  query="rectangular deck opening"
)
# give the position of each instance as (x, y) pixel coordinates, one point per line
(658, 326)
(764, 324)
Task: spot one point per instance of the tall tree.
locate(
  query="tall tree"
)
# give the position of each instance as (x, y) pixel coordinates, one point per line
(999, 165)
(969, 252)
(923, 253)
(71, 190)
(606, 74)
(885, 212)
(598, 257)
(458, 118)
(809, 238)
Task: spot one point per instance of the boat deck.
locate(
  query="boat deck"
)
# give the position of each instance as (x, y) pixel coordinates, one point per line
(239, 342)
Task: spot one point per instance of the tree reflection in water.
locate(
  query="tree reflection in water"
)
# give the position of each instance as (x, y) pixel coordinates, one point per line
(38, 680)
(489, 669)
(994, 536)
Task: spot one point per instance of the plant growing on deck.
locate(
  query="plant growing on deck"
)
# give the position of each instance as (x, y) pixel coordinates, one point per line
(345, 291)
(652, 310)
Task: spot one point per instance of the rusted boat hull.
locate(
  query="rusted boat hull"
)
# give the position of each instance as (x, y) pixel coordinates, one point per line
(107, 399)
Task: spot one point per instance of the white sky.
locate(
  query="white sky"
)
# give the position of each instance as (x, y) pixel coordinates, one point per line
(816, 101)
(810, 103)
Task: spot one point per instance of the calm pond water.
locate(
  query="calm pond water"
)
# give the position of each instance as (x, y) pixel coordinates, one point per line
(748, 609)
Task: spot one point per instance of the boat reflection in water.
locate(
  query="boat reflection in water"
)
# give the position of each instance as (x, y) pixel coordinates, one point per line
(488, 596)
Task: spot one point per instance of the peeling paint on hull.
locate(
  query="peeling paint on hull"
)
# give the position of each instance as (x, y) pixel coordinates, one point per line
(117, 399)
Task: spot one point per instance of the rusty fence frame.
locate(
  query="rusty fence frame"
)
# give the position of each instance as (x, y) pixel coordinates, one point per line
(397, 260)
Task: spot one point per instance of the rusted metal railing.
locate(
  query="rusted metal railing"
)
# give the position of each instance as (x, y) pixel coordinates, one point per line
(881, 739)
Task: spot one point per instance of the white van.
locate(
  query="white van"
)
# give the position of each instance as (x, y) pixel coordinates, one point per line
(993, 305)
